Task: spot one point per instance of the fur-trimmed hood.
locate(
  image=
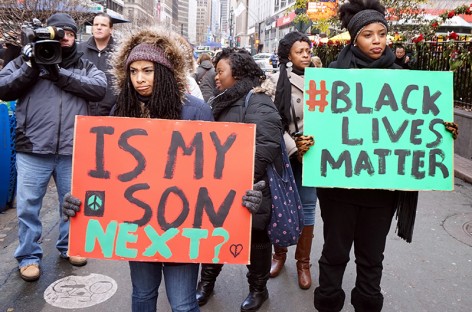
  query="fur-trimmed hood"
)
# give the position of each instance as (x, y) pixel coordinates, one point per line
(161, 37)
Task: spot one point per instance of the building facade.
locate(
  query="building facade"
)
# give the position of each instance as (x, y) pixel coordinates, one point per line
(203, 21)
(139, 12)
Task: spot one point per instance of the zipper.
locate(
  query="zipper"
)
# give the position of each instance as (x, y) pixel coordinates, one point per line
(60, 124)
(212, 99)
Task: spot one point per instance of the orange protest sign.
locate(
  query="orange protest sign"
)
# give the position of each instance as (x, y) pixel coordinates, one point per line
(321, 9)
(162, 190)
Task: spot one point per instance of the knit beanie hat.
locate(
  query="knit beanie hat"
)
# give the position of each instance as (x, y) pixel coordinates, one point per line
(64, 21)
(148, 52)
(285, 44)
(363, 18)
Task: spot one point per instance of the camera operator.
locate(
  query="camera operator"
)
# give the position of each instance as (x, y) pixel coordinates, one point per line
(48, 99)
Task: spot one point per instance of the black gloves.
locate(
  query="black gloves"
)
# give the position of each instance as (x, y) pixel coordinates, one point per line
(452, 128)
(70, 206)
(50, 72)
(253, 198)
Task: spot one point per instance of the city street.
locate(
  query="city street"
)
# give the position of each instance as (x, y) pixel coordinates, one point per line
(433, 273)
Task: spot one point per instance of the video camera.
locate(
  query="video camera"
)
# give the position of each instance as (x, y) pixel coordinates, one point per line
(45, 42)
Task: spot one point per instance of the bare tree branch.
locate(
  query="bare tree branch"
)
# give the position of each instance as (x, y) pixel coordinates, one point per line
(14, 13)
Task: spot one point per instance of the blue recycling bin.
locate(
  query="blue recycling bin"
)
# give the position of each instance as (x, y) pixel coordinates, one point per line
(7, 154)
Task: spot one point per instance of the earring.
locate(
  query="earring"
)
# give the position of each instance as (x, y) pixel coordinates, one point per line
(289, 66)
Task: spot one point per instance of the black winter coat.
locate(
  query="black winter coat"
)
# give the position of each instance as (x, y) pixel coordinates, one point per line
(205, 77)
(101, 60)
(262, 112)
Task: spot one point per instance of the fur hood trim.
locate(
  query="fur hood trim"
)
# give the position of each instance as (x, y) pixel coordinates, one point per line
(163, 38)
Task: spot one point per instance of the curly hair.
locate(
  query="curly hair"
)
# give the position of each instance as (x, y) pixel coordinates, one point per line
(349, 9)
(242, 64)
(164, 102)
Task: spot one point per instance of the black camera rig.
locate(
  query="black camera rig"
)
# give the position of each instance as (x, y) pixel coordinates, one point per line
(44, 40)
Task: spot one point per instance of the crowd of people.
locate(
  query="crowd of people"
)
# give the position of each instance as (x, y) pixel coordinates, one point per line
(151, 73)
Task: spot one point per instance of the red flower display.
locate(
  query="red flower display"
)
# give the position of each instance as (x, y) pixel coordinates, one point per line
(418, 38)
(453, 36)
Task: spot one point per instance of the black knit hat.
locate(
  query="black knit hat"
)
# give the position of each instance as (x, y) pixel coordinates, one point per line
(285, 44)
(363, 18)
(64, 21)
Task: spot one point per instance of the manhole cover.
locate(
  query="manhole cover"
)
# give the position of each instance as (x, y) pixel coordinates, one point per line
(468, 228)
(460, 227)
(75, 292)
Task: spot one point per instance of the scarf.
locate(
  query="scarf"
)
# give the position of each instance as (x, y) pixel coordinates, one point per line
(406, 203)
(70, 56)
(283, 94)
(231, 95)
(352, 57)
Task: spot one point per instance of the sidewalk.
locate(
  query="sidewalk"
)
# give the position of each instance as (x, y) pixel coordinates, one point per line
(432, 274)
(463, 168)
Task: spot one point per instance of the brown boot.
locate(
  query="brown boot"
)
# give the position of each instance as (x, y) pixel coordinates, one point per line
(302, 254)
(278, 260)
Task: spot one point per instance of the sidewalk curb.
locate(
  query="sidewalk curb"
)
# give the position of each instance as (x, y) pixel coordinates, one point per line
(463, 168)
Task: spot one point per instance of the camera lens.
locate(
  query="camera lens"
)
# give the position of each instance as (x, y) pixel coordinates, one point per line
(46, 53)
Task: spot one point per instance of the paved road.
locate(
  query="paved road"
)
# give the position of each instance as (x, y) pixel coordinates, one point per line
(433, 273)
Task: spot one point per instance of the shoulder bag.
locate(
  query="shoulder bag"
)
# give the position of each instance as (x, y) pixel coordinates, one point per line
(286, 223)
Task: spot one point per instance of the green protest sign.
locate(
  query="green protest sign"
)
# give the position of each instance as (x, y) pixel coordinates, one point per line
(376, 128)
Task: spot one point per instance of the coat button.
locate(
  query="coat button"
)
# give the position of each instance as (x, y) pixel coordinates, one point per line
(299, 100)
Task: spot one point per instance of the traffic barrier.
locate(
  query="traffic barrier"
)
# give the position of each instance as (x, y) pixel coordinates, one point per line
(7, 154)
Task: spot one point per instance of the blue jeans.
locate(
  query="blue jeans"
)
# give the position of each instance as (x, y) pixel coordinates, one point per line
(34, 173)
(307, 194)
(180, 281)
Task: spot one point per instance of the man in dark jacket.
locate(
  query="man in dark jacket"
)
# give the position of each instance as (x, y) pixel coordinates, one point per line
(48, 99)
(97, 49)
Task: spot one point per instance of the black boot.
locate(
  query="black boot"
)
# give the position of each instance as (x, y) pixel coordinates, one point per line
(259, 269)
(208, 276)
(254, 300)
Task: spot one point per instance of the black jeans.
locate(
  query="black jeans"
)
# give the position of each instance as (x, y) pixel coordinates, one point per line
(346, 222)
